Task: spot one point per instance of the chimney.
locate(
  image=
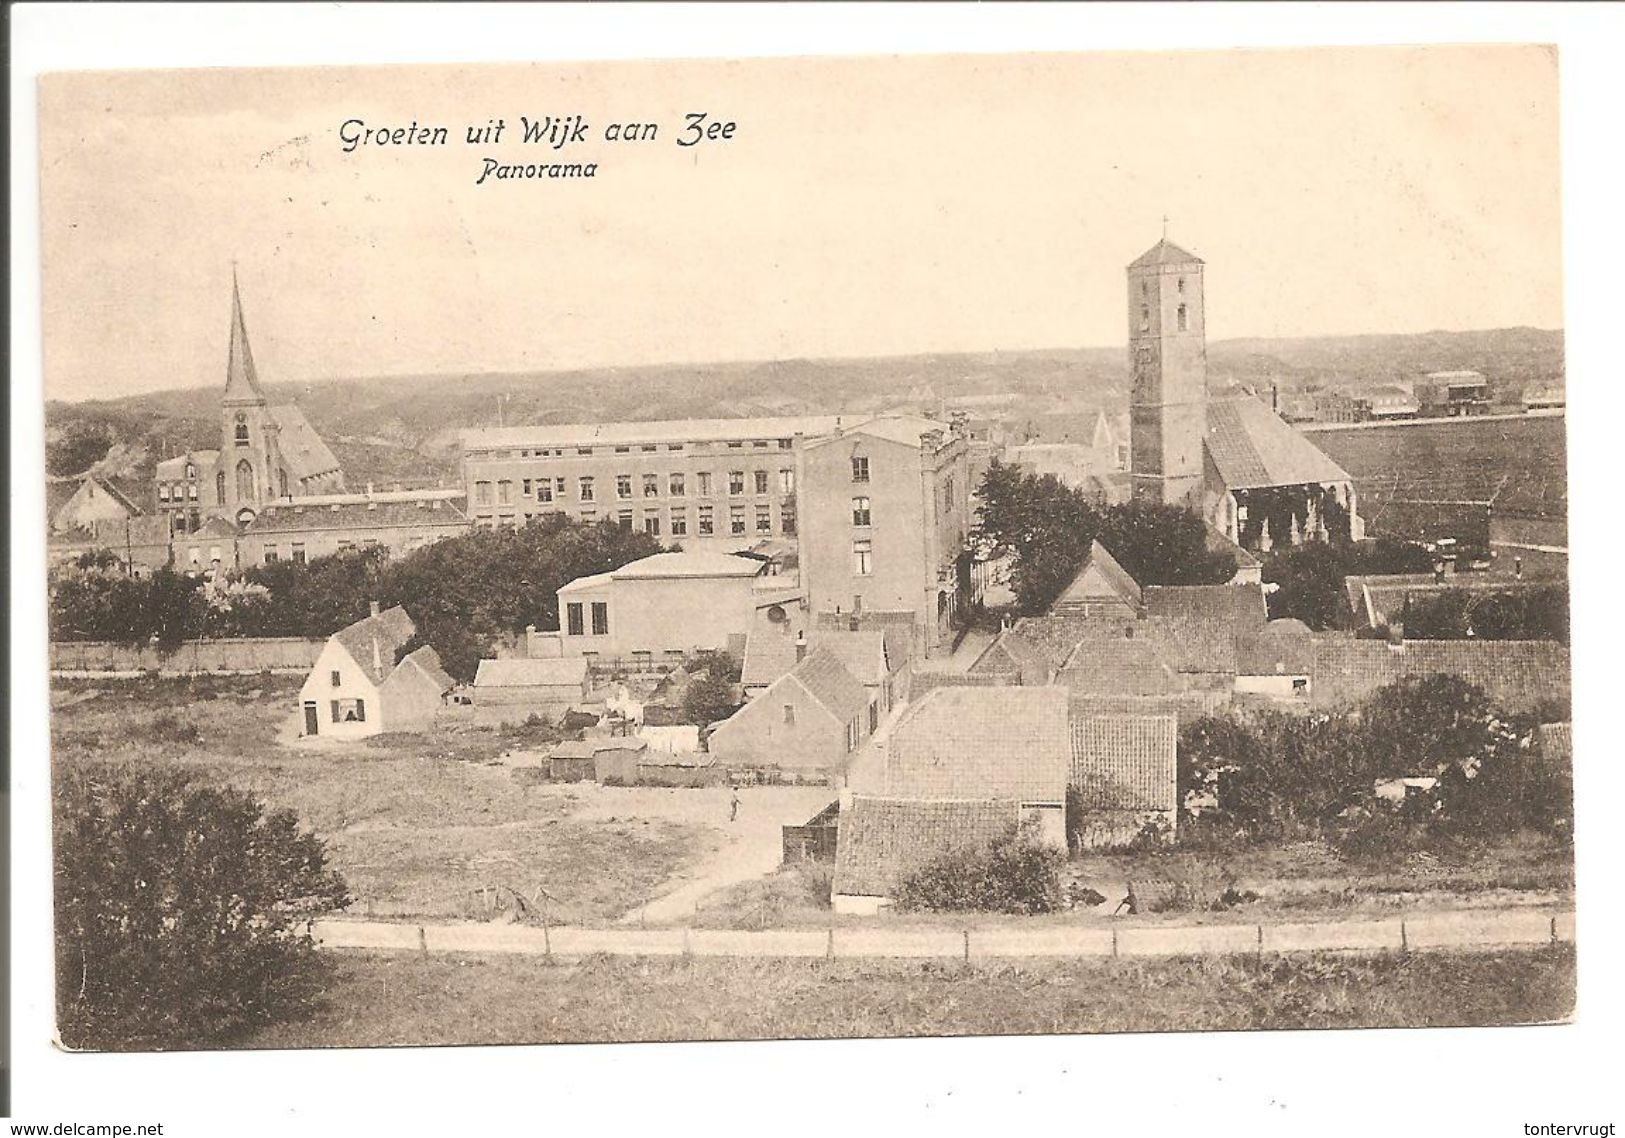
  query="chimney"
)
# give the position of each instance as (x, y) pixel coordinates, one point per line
(377, 658)
(372, 608)
(1275, 398)
(1396, 634)
(801, 646)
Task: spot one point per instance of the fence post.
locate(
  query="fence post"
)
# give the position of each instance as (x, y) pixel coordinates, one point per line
(423, 940)
(1554, 930)
(967, 946)
(1260, 957)
(1114, 942)
(829, 945)
(1404, 938)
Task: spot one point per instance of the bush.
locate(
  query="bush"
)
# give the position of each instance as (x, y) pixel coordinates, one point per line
(171, 728)
(1013, 873)
(178, 908)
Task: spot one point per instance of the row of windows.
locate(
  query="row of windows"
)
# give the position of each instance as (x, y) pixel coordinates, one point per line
(1181, 316)
(574, 624)
(676, 486)
(177, 492)
(653, 522)
(642, 448)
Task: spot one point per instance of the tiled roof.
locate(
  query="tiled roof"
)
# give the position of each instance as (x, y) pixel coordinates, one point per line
(299, 444)
(1014, 651)
(564, 671)
(1219, 542)
(592, 581)
(1199, 624)
(827, 680)
(880, 841)
(652, 432)
(1164, 252)
(1517, 674)
(899, 643)
(981, 742)
(769, 655)
(354, 513)
(427, 661)
(1118, 666)
(1556, 744)
(1251, 446)
(1056, 636)
(1099, 569)
(373, 641)
(1279, 648)
(1184, 705)
(697, 563)
(1125, 762)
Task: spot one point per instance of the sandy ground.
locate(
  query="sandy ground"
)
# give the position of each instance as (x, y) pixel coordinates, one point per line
(751, 845)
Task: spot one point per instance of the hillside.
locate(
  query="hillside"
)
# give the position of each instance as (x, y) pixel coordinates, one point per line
(394, 428)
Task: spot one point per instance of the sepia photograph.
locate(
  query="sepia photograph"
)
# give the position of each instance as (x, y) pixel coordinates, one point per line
(818, 547)
(655, 541)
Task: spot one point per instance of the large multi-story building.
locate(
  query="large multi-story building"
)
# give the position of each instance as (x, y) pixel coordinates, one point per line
(886, 511)
(718, 484)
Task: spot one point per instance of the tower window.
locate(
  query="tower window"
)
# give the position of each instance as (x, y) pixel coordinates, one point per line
(1181, 286)
(242, 434)
(1184, 319)
(1145, 318)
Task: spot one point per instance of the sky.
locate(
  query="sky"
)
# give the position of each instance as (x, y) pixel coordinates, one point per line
(862, 207)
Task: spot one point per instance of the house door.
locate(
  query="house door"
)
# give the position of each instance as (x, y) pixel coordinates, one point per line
(310, 719)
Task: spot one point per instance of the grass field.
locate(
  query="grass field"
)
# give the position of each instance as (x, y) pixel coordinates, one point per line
(1464, 459)
(417, 824)
(395, 1001)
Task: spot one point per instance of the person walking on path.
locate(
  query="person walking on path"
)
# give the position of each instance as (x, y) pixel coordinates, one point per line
(733, 804)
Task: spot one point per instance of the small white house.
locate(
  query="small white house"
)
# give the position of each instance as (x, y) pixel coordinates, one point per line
(356, 688)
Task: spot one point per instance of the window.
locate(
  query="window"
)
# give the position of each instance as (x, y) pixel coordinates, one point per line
(1181, 286)
(240, 434)
(600, 618)
(544, 489)
(584, 450)
(270, 555)
(1145, 318)
(674, 446)
(761, 482)
(298, 553)
(573, 623)
(559, 486)
(505, 492)
(623, 450)
(764, 518)
(624, 518)
(702, 482)
(787, 482)
(589, 516)
(623, 485)
(281, 484)
(860, 512)
(651, 485)
(482, 493)
(346, 546)
(220, 488)
(163, 491)
(336, 678)
(191, 471)
(707, 524)
(585, 488)
(736, 519)
(787, 521)
(679, 523)
(759, 443)
(862, 558)
(852, 735)
(860, 469)
(525, 489)
(506, 520)
(349, 710)
(191, 491)
(874, 717)
(736, 481)
(735, 445)
(948, 492)
(651, 524)
(789, 715)
(245, 481)
(1184, 323)
(784, 444)
(675, 485)
(649, 448)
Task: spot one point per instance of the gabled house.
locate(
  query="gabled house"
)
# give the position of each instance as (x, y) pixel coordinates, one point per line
(811, 718)
(1101, 587)
(95, 499)
(876, 658)
(356, 688)
(546, 686)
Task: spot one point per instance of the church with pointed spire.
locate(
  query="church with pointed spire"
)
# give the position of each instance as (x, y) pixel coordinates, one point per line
(1250, 474)
(268, 453)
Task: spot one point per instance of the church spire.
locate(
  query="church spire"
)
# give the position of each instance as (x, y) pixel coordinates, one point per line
(242, 384)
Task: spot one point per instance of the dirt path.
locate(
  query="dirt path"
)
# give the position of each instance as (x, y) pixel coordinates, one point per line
(1435, 931)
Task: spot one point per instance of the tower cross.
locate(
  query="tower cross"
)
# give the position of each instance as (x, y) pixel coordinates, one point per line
(1165, 227)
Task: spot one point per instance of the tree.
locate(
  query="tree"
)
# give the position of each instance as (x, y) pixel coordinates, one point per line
(710, 695)
(1047, 527)
(178, 910)
(1013, 873)
(1309, 577)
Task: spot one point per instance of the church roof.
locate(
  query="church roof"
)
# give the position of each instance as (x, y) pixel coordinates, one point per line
(242, 383)
(1164, 252)
(302, 448)
(1251, 446)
